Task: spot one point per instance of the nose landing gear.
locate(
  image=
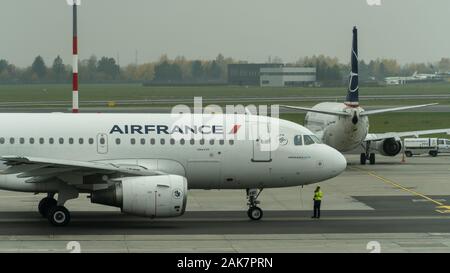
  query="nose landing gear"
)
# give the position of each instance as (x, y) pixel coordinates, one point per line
(254, 212)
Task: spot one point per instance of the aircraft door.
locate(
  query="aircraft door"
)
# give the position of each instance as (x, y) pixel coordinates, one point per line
(261, 142)
(102, 143)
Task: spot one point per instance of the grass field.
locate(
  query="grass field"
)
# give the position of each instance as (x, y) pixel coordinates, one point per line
(105, 92)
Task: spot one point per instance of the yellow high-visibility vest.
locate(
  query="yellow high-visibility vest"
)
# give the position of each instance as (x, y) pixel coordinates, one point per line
(318, 195)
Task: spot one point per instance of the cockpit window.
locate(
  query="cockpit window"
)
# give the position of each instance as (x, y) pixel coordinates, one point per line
(308, 140)
(298, 140)
(316, 139)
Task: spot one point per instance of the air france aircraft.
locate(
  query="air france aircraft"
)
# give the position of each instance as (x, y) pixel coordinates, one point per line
(145, 163)
(345, 126)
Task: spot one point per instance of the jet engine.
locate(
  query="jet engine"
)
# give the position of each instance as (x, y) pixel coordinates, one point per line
(389, 147)
(148, 196)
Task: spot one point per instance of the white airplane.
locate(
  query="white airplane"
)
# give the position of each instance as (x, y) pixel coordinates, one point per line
(145, 163)
(345, 126)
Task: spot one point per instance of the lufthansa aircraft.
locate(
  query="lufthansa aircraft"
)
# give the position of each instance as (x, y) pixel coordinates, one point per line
(145, 163)
(345, 126)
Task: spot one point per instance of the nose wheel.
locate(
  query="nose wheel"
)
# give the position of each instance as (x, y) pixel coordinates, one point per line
(254, 212)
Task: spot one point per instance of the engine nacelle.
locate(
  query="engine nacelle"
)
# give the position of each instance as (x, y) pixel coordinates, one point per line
(389, 147)
(148, 196)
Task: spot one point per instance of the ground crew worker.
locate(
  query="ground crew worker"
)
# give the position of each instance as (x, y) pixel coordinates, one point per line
(317, 202)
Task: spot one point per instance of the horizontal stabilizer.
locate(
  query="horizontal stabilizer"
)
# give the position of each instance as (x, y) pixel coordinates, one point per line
(379, 111)
(333, 113)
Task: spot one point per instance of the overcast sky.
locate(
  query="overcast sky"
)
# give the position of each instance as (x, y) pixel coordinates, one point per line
(253, 30)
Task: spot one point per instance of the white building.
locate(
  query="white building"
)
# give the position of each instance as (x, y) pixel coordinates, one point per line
(287, 76)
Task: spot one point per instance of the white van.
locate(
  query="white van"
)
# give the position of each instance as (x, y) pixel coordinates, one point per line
(431, 146)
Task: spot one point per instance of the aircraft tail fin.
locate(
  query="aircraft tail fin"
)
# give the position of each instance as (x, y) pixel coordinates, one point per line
(353, 85)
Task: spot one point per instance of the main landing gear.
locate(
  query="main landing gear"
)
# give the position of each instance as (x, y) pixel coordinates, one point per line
(367, 156)
(254, 212)
(54, 210)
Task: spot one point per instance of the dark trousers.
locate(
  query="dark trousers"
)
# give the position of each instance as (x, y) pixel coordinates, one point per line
(317, 204)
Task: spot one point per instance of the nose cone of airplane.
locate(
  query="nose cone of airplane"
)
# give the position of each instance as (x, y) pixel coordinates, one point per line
(334, 163)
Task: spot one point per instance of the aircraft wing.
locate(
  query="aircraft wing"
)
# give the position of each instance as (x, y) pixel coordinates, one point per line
(379, 111)
(334, 113)
(374, 137)
(41, 169)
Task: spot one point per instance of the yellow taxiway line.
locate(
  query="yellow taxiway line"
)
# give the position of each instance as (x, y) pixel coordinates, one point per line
(440, 207)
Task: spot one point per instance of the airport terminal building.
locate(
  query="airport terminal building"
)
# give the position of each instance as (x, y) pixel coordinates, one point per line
(270, 75)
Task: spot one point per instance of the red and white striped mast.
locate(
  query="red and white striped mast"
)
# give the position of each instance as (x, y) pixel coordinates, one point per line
(75, 107)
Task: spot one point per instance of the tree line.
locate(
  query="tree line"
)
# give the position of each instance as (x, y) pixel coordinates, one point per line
(181, 70)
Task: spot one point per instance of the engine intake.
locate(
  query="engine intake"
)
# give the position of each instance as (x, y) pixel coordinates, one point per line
(148, 196)
(389, 147)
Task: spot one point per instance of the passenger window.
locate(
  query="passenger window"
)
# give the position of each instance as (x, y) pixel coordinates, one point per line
(192, 141)
(172, 141)
(221, 142)
(81, 141)
(298, 140)
(152, 141)
(71, 140)
(11, 140)
(231, 142)
(102, 141)
(211, 142)
(182, 141)
(41, 140)
(118, 141)
(61, 140)
(51, 140)
(162, 141)
(2, 140)
(202, 142)
(31, 140)
(21, 140)
(440, 141)
(91, 141)
(308, 140)
(133, 141)
(143, 141)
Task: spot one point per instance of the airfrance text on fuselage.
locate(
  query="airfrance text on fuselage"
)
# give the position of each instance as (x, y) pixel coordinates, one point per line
(164, 129)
